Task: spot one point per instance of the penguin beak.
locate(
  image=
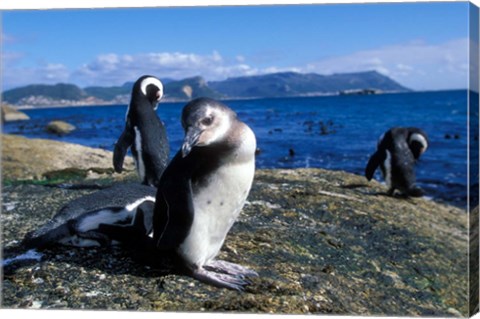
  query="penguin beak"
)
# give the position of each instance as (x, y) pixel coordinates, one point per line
(191, 139)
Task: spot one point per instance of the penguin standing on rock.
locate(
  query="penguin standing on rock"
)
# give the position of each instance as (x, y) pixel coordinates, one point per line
(203, 190)
(397, 152)
(144, 132)
(201, 194)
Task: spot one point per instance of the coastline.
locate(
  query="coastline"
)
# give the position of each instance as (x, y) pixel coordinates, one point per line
(176, 100)
(323, 242)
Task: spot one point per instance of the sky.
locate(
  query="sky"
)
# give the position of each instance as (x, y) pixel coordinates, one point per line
(423, 46)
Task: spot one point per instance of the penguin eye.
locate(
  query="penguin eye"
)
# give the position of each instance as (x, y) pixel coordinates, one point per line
(207, 121)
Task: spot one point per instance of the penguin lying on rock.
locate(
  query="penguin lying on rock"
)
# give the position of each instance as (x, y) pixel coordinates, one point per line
(76, 223)
(144, 132)
(202, 192)
(397, 152)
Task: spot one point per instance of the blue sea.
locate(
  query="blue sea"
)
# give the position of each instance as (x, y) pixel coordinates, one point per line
(332, 132)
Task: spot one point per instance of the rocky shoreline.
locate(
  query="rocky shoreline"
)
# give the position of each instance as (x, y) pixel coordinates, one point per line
(323, 242)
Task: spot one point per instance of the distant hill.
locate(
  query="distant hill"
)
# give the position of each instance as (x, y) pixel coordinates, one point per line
(283, 84)
(298, 84)
(109, 93)
(59, 91)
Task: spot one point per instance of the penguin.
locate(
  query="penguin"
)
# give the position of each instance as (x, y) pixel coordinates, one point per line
(128, 205)
(398, 149)
(203, 190)
(144, 132)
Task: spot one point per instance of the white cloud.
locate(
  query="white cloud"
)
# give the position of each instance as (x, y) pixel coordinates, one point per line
(417, 65)
(15, 74)
(6, 38)
(11, 58)
(240, 58)
(55, 72)
(113, 69)
(404, 67)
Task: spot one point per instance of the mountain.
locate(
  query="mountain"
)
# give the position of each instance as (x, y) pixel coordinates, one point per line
(109, 93)
(285, 84)
(59, 91)
(298, 84)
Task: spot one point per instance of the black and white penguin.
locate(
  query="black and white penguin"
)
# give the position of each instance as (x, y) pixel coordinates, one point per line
(398, 149)
(144, 132)
(77, 223)
(203, 190)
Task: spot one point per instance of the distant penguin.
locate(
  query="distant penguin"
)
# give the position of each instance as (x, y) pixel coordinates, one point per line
(144, 132)
(203, 190)
(77, 223)
(397, 152)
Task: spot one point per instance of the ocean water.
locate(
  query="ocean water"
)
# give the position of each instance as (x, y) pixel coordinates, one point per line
(332, 132)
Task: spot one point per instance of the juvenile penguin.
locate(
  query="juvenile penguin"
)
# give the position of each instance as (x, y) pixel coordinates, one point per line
(144, 132)
(77, 223)
(397, 152)
(203, 190)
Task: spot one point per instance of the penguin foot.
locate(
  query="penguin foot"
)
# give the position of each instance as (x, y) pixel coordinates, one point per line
(220, 280)
(390, 191)
(416, 191)
(226, 267)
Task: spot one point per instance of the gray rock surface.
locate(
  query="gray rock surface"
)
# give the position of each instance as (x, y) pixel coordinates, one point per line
(323, 242)
(59, 127)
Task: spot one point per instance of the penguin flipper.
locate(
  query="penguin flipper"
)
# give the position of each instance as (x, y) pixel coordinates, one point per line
(173, 218)
(373, 163)
(121, 147)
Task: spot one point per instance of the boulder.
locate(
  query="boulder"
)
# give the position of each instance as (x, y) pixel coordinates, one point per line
(59, 127)
(26, 159)
(10, 114)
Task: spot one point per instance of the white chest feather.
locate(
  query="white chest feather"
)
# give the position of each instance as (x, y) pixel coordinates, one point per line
(216, 208)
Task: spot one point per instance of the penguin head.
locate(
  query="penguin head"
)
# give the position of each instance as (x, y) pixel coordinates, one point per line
(149, 87)
(418, 144)
(205, 122)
